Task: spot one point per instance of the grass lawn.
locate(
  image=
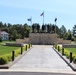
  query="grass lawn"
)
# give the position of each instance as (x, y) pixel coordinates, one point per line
(71, 50)
(6, 52)
(6, 49)
(3, 42)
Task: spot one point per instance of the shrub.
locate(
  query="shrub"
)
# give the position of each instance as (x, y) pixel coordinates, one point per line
(74, 59)
(17, 52)
(3, 60)
(9, 56)
(55, 46)
(30, 45)
(60, 49)
(67, 53)
(24, 48)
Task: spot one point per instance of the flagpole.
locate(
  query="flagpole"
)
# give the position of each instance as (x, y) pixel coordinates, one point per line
(43, 17)
(55, 26)
(31, 21)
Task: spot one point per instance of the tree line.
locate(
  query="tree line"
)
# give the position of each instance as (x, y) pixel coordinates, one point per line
(47, 28)
(17, 31)
(51, 28)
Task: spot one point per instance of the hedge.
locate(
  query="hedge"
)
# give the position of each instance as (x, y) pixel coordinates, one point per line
(66, 53)
(5, 59)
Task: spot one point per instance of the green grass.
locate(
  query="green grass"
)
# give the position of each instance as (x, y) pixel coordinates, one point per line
(71, 50)
(3, 42)
(6, 49)
(6, 52)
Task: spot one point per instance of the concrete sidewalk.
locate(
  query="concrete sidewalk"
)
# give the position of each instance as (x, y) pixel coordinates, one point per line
(41, 57)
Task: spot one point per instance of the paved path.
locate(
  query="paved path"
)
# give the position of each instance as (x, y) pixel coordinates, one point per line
(41, 57)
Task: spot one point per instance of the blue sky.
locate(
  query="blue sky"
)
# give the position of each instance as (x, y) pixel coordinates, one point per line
(18, 11)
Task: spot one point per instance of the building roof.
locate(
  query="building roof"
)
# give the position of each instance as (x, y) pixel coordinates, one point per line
(3, 32)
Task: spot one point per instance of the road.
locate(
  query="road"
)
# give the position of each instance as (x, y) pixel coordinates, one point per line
(33, 73)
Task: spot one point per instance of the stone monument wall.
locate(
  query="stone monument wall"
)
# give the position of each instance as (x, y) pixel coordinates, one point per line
(69, 45)
(25, 40)
(42, 38)
(61, 41)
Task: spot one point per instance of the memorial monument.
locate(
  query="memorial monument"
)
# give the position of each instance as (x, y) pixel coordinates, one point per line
(43, 36)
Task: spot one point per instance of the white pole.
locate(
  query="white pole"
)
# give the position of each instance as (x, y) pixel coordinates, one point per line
(43, 17)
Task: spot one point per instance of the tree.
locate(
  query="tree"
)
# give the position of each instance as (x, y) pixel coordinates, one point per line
(27, 34)
(33, 28)
(21, 31)
(53, 28)
(5, 25)
(9, 25)
(1, 24)
(48, 28)
(16, 35)
(57, 29)
(74, 31)
(43, 28)
(38, 28)
(69, 35)
(62, 32)
(10, 37)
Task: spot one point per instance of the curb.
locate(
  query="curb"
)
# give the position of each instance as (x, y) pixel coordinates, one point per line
(7, 66)
(69, 64)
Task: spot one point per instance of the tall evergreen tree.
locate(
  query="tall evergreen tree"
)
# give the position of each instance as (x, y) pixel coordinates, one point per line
(38, 28)
(43, 28)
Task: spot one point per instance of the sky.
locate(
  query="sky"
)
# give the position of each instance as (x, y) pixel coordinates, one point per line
(18, 11)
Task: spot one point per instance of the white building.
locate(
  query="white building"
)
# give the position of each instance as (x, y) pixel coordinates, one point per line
(4, 35)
